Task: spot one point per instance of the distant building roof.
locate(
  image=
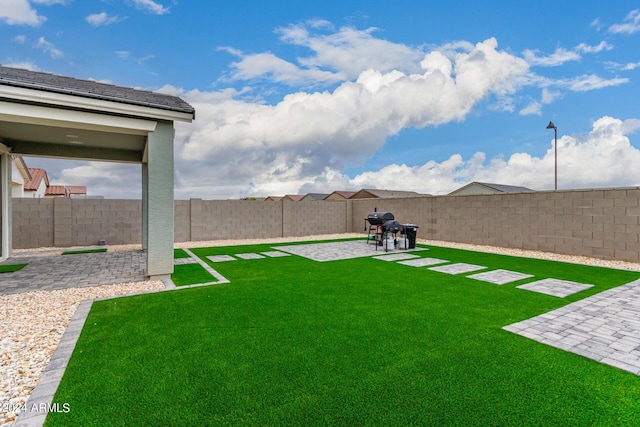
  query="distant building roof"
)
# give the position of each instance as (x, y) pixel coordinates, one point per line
(382, 194)
(57, 190)
(77, 189)
(18, 77)
(273, 198)
(340, 195)
(37, 175)
(314, 196)
(488, 188)
(294, 197)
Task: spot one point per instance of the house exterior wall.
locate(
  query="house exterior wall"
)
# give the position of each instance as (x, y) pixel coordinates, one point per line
(601, 223)
(17, 182)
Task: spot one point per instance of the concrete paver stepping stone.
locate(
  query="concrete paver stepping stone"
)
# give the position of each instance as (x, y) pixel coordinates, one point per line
(423, 262)
(275, 254)
(555, 287)
(500, 277)
(335, 251)
(249, 256)
(604, 327)
(183, 261)
(395, 257)
(458, 268)
(220, 258)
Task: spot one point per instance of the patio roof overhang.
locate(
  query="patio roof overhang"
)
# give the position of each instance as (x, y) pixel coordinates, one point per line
(53, 116)
(47, 124)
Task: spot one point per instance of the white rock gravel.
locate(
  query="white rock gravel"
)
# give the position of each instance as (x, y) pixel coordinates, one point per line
(33, 323)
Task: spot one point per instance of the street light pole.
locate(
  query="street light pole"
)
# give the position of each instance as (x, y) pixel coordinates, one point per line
(555, 145)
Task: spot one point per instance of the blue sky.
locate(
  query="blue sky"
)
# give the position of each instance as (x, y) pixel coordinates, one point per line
(296, 97)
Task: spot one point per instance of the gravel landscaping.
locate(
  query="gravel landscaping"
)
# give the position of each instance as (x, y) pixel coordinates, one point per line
(34, 322)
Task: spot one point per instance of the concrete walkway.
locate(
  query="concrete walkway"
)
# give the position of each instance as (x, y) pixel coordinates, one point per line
(46, 272)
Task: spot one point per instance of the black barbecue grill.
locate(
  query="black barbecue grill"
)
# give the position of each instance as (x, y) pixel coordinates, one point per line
(381, 225)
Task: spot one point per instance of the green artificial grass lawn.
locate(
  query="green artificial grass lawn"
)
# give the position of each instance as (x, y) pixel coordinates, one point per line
(10, 268)
(356, 342)
(84, 251)
(180, 253)
(191, 274)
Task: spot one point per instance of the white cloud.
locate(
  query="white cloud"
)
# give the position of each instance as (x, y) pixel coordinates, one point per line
(350, 51)
(548, 97)
(604, 157)
(559, 57)
(269, 66)
(241, 142)
(534, 107)
(585, 48)
(49, 48)
(622, 67)
(102, 19)
(110, 180)
(21, 39)
(20, 12)
(336, 56)
(589, 82)
(24, 65)
(150, 6)
(630, 25)
(51, 2)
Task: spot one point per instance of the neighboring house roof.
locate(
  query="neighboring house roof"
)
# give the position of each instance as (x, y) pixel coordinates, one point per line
(37, 175)
(294, 197)
(340, 195)
(57, 190)
(488, 188)
(77, 189)
(273, 198)
(314, 196)
(91, 89)
(382, 194)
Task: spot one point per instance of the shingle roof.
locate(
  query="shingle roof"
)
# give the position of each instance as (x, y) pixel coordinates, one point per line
(91, 89)
(506, 188)
(343, 194)
(383, 194)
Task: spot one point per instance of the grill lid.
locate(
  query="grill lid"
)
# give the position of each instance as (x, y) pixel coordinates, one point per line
(379, 218)
(391, 226)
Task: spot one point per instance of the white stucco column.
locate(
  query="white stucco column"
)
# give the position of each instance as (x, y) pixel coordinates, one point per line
(145, 207)
(5, 205)
(159, 206)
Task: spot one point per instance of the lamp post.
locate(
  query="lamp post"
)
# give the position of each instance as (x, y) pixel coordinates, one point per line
(555, 145)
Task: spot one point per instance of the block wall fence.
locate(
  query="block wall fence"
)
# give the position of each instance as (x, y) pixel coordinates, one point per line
(601, 223)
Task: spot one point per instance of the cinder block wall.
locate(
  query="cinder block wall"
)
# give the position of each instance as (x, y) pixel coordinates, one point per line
(603, 223)
(313, 218)
(32, 223)
(75, 222)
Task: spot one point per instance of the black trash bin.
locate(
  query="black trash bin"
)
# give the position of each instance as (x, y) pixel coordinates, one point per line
(411, 231)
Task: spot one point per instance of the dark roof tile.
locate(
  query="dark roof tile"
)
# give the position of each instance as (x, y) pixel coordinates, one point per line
(91, 89)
